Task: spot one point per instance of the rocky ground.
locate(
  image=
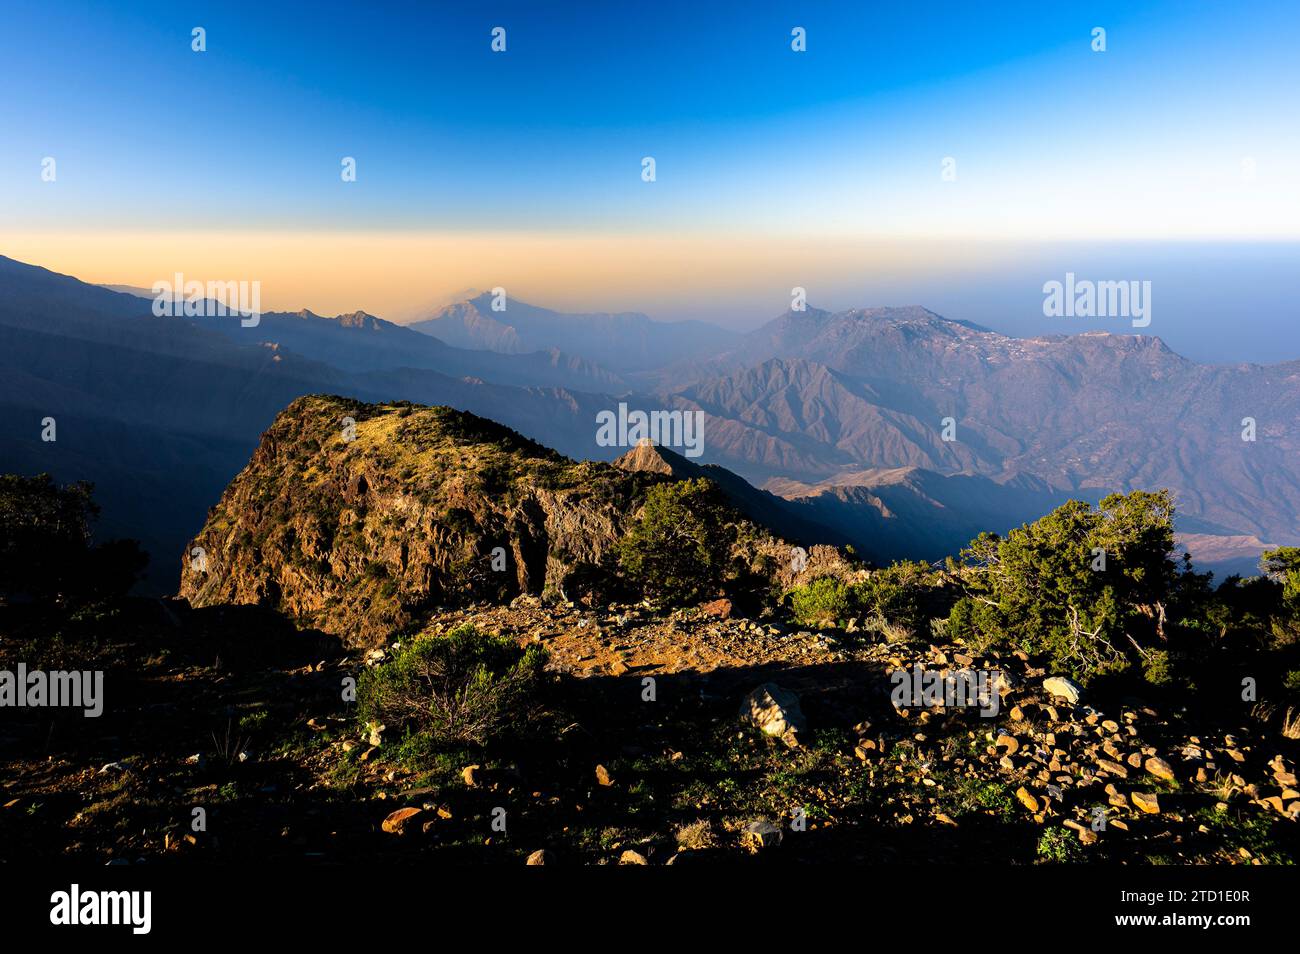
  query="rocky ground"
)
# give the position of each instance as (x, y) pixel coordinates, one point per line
(657, 750)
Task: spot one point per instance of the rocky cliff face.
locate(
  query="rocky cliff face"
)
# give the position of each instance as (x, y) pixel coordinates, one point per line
(358, 519)
(357, 528)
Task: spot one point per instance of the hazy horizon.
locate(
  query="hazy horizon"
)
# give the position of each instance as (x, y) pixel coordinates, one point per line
(1197, 285)
(956, 158)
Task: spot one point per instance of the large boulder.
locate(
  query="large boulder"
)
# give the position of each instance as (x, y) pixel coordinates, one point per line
(774, 711)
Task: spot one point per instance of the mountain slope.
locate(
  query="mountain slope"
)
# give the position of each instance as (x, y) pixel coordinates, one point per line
(872, 389)
(918, 514)
(160, 413)
(361, 533)
(759, 505)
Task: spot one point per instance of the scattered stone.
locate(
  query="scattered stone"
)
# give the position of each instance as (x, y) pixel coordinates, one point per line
(1027, 799)
(1159, 768)
(1063, 688)
(631, 857)
(1086, 835)
(395, 824)
(719, 608)
(1005, 683)
(1149, 802)
(1114, 768)
(761, 834)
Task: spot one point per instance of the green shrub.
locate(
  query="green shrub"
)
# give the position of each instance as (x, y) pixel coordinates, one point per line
(1060, 846)
(46, 551)
(894, 599)
(1282, 565)
(679, 548)
(822, 602)
(1044, 589)
(460, 688)
(1157, 669)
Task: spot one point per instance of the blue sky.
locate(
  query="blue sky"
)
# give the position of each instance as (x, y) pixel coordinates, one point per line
(1053, 142)
(745, 132)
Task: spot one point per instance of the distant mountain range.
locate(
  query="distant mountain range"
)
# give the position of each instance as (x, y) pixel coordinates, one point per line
(840, 418)
(360, 342)
(625, 342)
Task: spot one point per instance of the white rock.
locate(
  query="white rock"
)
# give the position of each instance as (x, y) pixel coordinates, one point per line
(773, 711)
(1062, 688)
(761, 834)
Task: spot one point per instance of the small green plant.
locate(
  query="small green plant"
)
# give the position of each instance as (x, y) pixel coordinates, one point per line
(1059, 846)
(822, 602)
(255, 721)
(982, 797)
(228, 746)
(464, 687)
(893, 600)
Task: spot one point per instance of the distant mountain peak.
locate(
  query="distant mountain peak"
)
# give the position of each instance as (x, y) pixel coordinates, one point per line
(648, 457)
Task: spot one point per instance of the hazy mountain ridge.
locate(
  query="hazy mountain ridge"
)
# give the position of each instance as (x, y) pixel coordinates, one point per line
(813, 397)
(358, 341)
(627, 341)
(873, 387)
